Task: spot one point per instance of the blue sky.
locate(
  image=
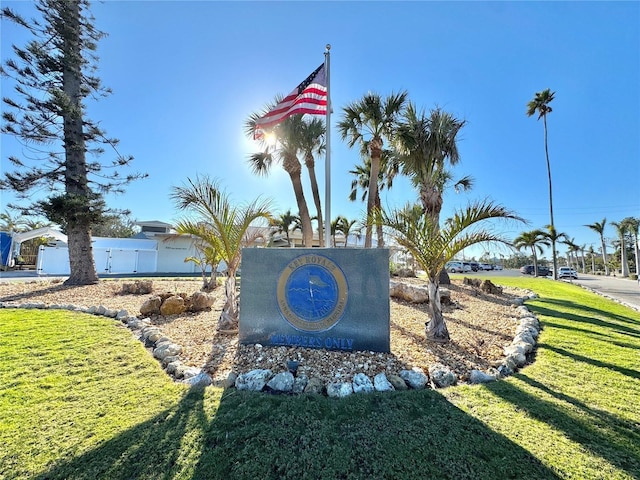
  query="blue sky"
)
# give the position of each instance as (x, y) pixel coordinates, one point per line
(186, 75)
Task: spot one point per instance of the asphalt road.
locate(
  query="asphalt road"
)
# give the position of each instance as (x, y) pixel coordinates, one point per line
(622, 290)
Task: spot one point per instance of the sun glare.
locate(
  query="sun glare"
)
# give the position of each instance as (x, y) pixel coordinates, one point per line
(270, 138)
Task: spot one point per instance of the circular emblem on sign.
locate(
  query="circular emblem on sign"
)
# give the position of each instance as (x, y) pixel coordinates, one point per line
(312, 293)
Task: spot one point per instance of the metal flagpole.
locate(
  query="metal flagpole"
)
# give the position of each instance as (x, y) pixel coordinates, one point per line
(327, 162)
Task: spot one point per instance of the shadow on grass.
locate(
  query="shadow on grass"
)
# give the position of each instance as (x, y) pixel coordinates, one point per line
(416, 434)
(591, 361)
(603, 435)
(565, 304)
(584, 321)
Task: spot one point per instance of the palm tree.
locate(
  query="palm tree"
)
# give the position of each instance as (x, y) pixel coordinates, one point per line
(389, 168)
(540, 104)
(534, 240)
(432, 246)
(312, 143)
(554, 237)
(599, 228)
(633, 225)
(283, 223)
(224, 226)
(12, 223)
(288, 143)
(345, 225)
(621, 230)
(572, 250)
(370, 121)
(426, 144)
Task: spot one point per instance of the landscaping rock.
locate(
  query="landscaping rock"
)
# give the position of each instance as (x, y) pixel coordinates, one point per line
(281, 383)
(339, 390)
(397, 382)
(476, 376)
(151, 306)
(442, 376)
(314, 386)
(255, 380)
(416, 379)
(139, 287)
(199, 302)
(199, 380)
(166, 350)
(362, 383)
(300, 383)
(382, 384)
(173, 305)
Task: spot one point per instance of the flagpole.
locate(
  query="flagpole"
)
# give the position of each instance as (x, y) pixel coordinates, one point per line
(327, 152)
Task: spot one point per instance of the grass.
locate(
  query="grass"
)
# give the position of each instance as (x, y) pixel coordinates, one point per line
(80, 398)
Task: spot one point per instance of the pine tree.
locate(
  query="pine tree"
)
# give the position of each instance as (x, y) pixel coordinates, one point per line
(54, 74)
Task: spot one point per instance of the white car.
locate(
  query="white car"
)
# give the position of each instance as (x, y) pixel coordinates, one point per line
(454, 267)
(497, 267)
(567, 272)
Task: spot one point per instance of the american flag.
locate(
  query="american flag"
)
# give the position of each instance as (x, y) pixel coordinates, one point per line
(309, 97)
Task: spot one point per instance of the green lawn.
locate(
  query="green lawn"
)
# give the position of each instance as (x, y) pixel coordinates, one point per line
(81, 398)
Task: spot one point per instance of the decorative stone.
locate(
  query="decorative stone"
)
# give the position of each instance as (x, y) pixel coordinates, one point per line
(200, 301)
(121, 314)
(477, 376)
(199, 380)
(172, 366)
(190, 372)
(517, 302)
(362, 383)
(281, 383)
(300, 383)
(314, 386)
(139, 287)
(173, 305)
(151, 306)
(442, 376)
(381, 384)
(414, 378)
(170, 359)
(488, 287)
(397, 382)
(339, 390)
(166, 350)
(408, 293)
(255, 380)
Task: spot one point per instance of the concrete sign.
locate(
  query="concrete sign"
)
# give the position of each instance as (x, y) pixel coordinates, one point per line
(335, 298)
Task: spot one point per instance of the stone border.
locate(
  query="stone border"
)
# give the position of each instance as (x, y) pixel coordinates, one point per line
(439, 376)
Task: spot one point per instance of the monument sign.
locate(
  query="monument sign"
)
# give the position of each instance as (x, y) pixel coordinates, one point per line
(336, 298)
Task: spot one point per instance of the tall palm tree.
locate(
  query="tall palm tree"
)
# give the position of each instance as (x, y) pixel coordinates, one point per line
(554, 237)
(224, 226)
(432, 246)
(389, 168)
(371, 121)
(540, 105)
(621, 230)
(427, 144)
(288, 143)
(312, 143)
(633, 226)
(534, 240)
(598, 227)
(572, 249)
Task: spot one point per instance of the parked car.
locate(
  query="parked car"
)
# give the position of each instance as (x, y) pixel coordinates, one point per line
(486, 266)
(475, 266)
(467, 266)
(530, 270)
(497, 267)
(454, 267)
(567, 272)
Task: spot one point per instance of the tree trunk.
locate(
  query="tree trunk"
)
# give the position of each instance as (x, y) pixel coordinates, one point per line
(293, 168)
(624, 267)
(229, 316)
(535, 261)
(604, 254)
(310, 163)
(81, 262)
(553, 240)
(82, 265)
(436, 328)
(379, 231)
(376, 153)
